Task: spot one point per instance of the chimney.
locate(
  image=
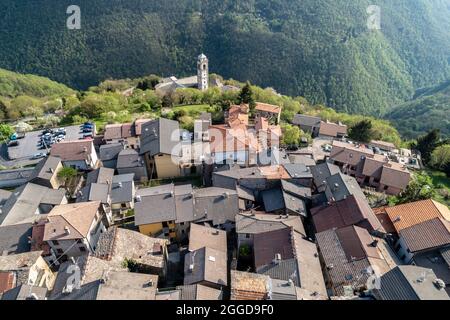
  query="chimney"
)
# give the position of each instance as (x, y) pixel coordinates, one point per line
(374, 243)
(67, 230)
(277, 258)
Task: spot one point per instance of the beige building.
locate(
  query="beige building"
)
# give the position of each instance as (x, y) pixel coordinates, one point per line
(161, 147)
(28, 269)
(46, 173)
(369, 169)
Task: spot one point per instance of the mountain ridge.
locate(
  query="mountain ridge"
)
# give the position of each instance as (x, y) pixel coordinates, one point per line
(318, 49)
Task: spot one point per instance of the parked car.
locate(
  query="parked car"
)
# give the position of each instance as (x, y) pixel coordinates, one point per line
(38, 156)
(87, 130)
(327, 147)
(13, 143)
(88, 135)
(47, 131)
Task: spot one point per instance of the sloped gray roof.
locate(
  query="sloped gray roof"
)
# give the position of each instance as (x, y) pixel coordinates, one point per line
(25, 292)
(298, 170)
(122, 188)
(184, 203)
(4, 195)
(46, 168)
(209, 265)
(260, 223)
(304, 120)
(94, 192)
(216, 204)
(282, 270)
(445, 253)
(295, 204)
(110, 151)
(100, 175)
(24, 202)
(273, 199)
(409, 283)
(129, 158)
(14, 238)
(156, 204)
(199, 292)
(20, 176)
(340, 186)
(299, 158)
(160, 136)
(282, 290)
(88, 291)
(322, 171)
(296, 190)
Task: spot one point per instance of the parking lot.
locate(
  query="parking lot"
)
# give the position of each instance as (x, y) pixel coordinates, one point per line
(319, 153)
(29, 145)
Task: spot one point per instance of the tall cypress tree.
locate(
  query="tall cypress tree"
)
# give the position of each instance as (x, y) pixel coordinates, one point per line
(427, 143)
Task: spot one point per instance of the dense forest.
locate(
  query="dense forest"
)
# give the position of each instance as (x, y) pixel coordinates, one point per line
(429, 109)
(319, 49)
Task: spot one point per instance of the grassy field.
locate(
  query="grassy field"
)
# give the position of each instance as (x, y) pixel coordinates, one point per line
(193, 110)
(442, 184)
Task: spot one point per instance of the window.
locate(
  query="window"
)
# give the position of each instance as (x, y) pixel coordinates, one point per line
(123, 205)
(60, 251)
(55, 242)
(79, 241)
(82, 249)
(182, 231)
(181, 223)
(247, 236)
(165, 224)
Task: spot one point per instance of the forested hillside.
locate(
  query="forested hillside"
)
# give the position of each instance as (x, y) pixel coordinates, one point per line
(319, 49)
(29, 95)
(429, 109)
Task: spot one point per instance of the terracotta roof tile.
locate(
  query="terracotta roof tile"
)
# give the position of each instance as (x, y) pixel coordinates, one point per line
(72, 150)
(77, 217)
(409, 214)
(265, 107)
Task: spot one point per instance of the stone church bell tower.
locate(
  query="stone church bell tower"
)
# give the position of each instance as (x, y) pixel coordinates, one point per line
(202, 72)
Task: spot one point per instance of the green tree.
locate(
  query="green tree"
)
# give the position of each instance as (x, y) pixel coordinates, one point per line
(5, 131)
(67, 173)
(362, 131)
(167, 101)
(427, 143)
(246, 96)
(420, 188)
(440, 157)
(291, 135)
